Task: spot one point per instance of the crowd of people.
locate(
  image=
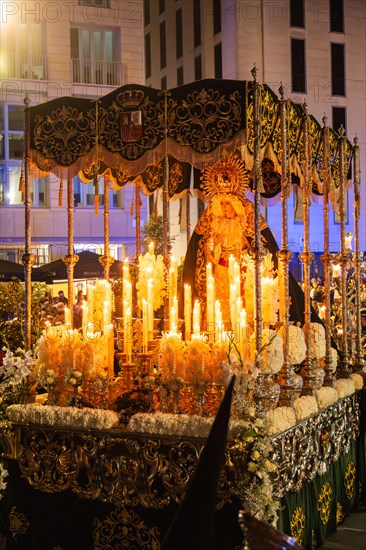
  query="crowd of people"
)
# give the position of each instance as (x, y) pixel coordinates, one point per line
(54, 308)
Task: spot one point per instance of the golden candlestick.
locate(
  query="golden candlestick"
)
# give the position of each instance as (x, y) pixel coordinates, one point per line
(329, 378)
(359, 359)
(286, 377)
(307, 372)
(344, 255)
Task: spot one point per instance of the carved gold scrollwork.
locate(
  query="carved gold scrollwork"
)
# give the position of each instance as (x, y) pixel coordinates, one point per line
(124, 529)
(48, 459)
(205, 119)
(314, 444)
(175, 177)
(65, 134)
(18, 523)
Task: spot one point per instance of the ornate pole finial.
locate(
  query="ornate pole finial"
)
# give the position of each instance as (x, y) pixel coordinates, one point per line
(325, 119)
(281, 90)
(26, 100)
(341, 131)
(254, 72)
(304, 107)
(355, 140)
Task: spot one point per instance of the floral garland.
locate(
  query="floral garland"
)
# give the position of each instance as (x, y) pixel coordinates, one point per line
(280, 419)
(305, 406)
(63, 416)
(344, 387)
(357, 380)
(326, 396)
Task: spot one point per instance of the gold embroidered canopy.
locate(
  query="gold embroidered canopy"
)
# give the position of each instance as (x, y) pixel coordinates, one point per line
(132, 130)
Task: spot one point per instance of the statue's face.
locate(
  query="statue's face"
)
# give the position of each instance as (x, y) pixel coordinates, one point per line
(227, 208)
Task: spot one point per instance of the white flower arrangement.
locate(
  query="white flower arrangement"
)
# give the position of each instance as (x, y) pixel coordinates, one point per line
(280, 419)
(170, 424)
(271, 352)
(317, 340)
(344, 387)
(151, 267)
(326, 396)
(63, 416)
(16, 375)
(297, 346)
(357, 380)
(305, 406)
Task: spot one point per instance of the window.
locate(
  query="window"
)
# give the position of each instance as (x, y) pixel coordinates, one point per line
(196, 23)
(218, 60)
(84, 194)
(216, 10)
(99, 3)
(162, 45)
(337, 64)
(336, 15)
(298, 65)
(198, 67)
(179, 33)
(339, 118)
(93, 56)
(163, 83)
(146, 12)
(147, 55)
(10, 192)
(297, 13)
(180, 79)
(24, 51)
(161, 6)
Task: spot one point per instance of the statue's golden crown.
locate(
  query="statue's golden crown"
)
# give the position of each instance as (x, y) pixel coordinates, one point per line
(227, 175)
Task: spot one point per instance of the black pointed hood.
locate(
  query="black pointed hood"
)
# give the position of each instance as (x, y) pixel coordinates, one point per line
(193, 525)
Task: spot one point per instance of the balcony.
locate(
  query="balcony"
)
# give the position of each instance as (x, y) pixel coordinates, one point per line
(96, 71)
(33, 67)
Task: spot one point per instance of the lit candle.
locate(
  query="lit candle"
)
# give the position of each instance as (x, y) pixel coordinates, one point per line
(150, 307)
(210, 310)
(67, 316)
(196, 317)
(336, 269)
(348, 241)
(145, 332)
(126, 269)
(151, 248)
(128, 335)
(218, 321)
(231, 269)
(173, 280)
(187, 311)
(232, 301)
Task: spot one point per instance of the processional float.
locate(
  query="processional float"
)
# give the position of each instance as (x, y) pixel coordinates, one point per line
(152, 138)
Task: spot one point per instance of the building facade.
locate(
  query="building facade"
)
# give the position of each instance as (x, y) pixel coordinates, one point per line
(315, 49)
(80, 48)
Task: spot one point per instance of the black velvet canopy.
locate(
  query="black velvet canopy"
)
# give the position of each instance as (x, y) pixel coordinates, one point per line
(134, 131)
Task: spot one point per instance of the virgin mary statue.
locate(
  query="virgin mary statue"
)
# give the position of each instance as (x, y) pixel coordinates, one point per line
(226, 229)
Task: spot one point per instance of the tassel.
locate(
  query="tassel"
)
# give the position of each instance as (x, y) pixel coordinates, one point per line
(132, 205)
(156, 207)
(96, 187)
(22, 184)
(60, 192)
